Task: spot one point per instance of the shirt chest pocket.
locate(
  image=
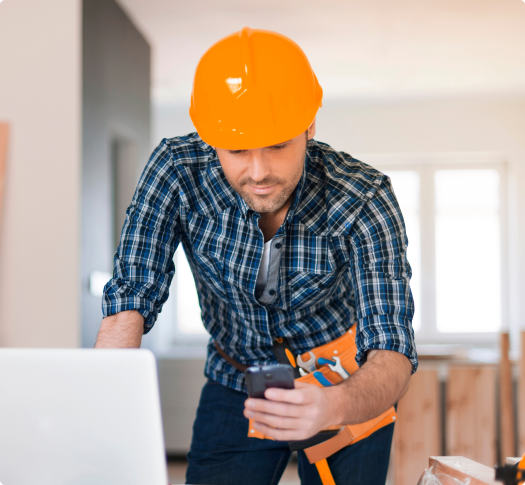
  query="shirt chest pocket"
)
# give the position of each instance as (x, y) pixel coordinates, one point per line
(307, 289)
(305, 286)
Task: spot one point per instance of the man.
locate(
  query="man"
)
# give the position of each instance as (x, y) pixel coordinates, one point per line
(286, 237)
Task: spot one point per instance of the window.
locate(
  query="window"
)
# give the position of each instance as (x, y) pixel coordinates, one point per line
(455, 219)
(179, 331)
(188, 312)
(468, 245)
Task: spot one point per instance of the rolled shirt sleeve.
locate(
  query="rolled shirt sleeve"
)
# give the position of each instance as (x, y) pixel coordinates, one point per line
(143, 262)
(381, 274)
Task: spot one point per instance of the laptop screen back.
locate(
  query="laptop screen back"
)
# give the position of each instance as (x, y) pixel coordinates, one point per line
(80, 417)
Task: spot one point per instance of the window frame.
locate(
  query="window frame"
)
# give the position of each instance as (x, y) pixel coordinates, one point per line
(426, 166)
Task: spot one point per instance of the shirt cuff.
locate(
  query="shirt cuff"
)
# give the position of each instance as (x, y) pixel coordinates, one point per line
(119, 297)
(385, 332)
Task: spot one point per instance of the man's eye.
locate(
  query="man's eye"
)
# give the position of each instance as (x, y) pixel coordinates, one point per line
(235, 152)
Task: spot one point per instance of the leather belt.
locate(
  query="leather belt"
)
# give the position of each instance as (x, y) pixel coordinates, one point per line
(228, 359)
(281, 350)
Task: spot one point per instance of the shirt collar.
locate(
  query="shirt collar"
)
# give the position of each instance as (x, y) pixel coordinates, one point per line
(298, 190)
(243, 206)
(203, 145)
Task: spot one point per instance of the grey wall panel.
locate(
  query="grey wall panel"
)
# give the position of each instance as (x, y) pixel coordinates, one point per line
(116, 108)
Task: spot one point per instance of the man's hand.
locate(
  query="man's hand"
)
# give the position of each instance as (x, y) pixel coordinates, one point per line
(122, 330)
(288, 415)
(297, 414)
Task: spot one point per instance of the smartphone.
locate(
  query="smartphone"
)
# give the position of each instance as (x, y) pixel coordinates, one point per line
(261, 377)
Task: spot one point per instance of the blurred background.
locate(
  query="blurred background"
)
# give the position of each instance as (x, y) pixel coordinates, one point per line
(431, 92)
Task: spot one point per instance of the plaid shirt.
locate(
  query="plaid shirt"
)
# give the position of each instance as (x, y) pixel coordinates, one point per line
(339, 257)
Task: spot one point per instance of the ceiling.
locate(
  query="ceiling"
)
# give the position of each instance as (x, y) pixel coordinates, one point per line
(358, 48)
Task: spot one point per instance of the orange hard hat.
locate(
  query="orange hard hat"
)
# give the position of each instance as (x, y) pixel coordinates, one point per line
(252, 89)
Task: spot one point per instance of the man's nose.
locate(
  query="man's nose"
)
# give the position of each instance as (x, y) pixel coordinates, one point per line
(259, 167)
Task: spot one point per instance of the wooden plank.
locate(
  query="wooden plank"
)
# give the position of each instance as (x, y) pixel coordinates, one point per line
(506, 396)
(417, 431)
(4, 133)
(471, 413)
(521, 399)
(461, 468)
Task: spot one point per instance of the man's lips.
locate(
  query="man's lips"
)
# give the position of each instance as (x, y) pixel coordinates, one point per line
(261, 190)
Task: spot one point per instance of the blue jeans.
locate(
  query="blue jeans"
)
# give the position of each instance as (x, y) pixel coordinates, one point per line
(222, 454)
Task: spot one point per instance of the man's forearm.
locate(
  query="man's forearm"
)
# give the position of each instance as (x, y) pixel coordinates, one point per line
(379, 384)
(122, 330)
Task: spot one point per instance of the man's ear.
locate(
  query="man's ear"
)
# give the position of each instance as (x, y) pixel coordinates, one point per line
(311, 129)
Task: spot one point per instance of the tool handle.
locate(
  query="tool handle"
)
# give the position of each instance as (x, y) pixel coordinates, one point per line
(322, 379)
(283, 354)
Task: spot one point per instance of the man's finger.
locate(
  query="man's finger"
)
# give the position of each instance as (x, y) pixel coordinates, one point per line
(274, 421)
(275, 408)
(293, 396)
(281, 434)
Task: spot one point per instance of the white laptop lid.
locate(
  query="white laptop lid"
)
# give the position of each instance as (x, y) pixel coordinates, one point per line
(80, 417)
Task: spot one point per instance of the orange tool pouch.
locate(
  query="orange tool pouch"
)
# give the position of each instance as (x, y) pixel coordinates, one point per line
(344, 347)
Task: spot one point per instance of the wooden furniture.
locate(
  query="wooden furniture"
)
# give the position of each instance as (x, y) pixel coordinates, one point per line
(521, 399)
(418, 428)
(506, 397)
(466, 400)
(471, 413)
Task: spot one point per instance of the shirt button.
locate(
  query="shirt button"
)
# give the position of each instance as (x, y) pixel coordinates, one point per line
(272, 292)
(278, 246)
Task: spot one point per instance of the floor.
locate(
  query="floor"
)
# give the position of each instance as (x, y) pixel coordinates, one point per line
(177, 472)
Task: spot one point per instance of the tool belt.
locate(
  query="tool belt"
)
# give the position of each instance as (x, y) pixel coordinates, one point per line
(334, 438)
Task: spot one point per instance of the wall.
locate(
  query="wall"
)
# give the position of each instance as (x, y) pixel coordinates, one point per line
(40, 96)
(116, 108)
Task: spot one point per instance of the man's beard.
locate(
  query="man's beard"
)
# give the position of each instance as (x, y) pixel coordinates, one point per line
(266, 202)
(269, 202)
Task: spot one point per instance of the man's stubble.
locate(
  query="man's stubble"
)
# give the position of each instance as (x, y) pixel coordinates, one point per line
(270, 202)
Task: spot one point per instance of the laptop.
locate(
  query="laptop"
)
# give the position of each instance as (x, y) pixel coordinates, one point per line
(80, 417)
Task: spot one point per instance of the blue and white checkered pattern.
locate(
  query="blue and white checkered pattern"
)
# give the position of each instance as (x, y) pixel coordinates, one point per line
(343, 258)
